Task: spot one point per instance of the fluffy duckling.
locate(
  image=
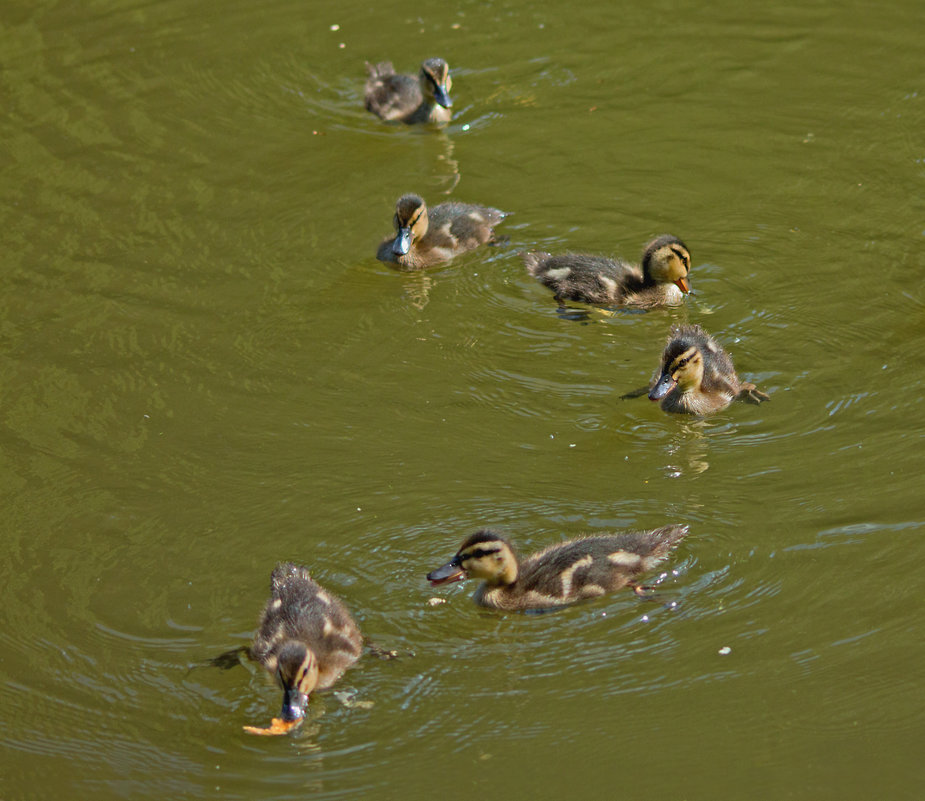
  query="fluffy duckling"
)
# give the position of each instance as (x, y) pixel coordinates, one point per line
(425, 237)
(405, 98)
(306, 638)
(696, 375)
(560, 574)
(661, 279)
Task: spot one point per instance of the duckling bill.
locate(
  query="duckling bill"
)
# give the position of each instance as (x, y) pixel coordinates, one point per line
(424, 237)
(587, 567)
(696, 375)
(306, 639)
(660, 279)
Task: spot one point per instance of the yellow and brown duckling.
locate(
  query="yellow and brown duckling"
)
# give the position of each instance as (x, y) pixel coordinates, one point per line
(429, 236)
(306, 639)
(697, 376)
(661, 279)
(409, 99)
(570, 571)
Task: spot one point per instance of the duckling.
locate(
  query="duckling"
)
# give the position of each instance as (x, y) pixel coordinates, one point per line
(306, 638)
(570, 571)
(697, 376)
(660, 280)
(429, 237)
(404, 98)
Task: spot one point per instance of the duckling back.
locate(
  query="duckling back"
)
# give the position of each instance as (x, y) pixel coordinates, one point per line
(587, 567)
(395, 97)
(390, 95)
(300, 609)
(591, 566)
(463, 226)
(584, 278)
(659, 280)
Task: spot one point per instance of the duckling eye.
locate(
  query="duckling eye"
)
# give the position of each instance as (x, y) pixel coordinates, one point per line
(685, 259)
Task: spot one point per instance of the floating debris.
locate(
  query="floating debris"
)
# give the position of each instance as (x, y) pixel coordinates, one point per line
(277, 726)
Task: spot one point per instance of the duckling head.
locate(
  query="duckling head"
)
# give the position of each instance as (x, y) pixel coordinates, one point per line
(483, 555)
(297, 674)
(410, 222)
(436, 82)
(682, 366)
(668, 261)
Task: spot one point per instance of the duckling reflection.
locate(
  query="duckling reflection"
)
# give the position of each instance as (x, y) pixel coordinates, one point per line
(661, 278)
(405, 98)
(587, 567)
(451, 178)
(417, 289)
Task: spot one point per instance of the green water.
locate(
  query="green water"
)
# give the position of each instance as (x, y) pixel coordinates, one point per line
(203, 370)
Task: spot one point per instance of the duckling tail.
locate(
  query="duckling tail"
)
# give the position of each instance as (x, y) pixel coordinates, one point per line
(381, 70)
(669, 536)
(533, 260)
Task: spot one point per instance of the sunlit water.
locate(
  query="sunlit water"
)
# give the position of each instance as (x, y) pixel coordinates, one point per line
(204, 370)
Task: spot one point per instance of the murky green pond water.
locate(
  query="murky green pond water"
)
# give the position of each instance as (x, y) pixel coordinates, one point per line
(203, 370)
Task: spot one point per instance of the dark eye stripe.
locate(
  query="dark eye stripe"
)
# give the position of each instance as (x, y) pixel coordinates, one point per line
(480, 553)
(683, 360)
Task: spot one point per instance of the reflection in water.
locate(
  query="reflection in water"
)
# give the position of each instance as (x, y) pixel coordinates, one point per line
(687, 451)
(306, 737)
(448, 167)
(417, 288)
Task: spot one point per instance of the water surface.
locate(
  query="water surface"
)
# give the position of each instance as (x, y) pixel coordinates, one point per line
(204, 370)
